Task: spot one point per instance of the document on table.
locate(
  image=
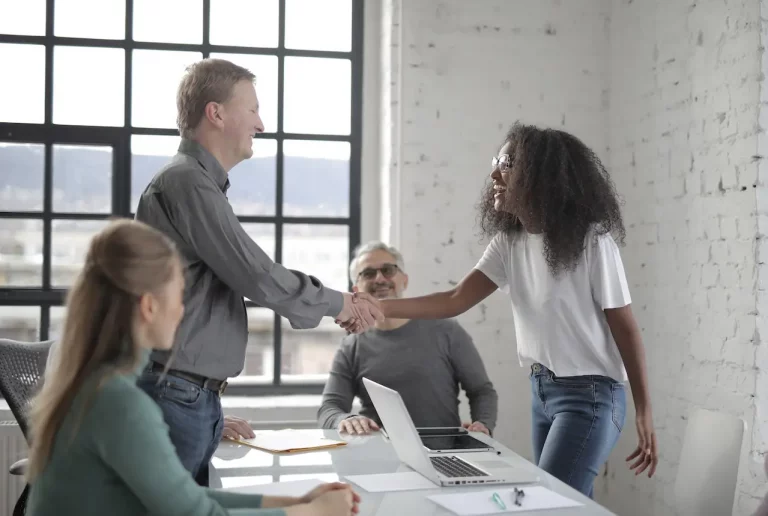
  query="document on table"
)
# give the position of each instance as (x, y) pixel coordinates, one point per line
(289, 441)
(474, 503)
(386, 482)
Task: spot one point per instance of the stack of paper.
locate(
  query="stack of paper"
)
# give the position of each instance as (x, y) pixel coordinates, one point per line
(475, 503)
(290, 441)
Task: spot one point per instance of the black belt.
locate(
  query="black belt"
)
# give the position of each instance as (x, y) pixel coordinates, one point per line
(200, 381)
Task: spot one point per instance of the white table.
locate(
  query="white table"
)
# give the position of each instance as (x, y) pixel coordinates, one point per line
(236, 465)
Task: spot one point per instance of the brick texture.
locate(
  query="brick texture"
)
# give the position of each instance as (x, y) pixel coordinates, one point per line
(685, 82)
(465, 71)
(668, 95)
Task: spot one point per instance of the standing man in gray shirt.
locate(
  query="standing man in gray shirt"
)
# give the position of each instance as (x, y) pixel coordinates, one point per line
(218, 117)
(426, 361)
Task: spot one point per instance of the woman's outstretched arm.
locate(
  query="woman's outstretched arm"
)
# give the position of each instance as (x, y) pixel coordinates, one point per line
(470, 291)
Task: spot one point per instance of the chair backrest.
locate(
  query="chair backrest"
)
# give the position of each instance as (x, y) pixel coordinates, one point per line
(22, 365)
(709, 464)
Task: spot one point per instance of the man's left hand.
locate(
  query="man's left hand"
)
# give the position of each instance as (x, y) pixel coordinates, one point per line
(477, 426)
(237, 428)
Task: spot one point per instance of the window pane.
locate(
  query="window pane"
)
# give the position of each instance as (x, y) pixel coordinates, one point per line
(88, 86)
(148, 155)
(244, 23)
(28, 95)
(259, 354)
(57, 315)
(70, 240)
(168, 21)
(310, 352)
(263, 235)
(20, 323)
(322, 251)
(320, 105)
(82, 179)
(71, 19)
(314, 25)
(252, 182)
(316, 178)
(265, 69)
(21, 176)
(156, 77)
(21, 253)
(22, 18)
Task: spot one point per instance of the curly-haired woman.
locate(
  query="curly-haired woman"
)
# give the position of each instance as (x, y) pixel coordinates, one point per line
(552, 212)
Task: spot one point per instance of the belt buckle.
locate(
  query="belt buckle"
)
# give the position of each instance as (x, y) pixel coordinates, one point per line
(222, 387)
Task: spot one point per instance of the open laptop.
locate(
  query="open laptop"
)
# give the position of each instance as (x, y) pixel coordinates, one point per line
(444, 469)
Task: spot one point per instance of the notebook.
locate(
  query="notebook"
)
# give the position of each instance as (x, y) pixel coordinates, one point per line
(290, 441)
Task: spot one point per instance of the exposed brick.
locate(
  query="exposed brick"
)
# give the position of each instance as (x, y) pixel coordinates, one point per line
(670, 104)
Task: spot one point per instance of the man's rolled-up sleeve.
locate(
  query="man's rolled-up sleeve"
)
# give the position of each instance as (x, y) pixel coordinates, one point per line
(206, 221)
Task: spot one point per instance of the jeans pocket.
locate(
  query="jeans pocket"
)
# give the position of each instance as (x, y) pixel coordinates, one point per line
(150, 383)
(619, 405)
(180, 392)
(573, 382)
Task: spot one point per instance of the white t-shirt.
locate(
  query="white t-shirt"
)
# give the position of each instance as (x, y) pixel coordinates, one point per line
(559, 322)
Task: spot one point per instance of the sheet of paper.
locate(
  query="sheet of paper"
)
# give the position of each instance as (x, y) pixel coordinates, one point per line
(385, 482)
(289, 488)
(474, 503)
(287, 441)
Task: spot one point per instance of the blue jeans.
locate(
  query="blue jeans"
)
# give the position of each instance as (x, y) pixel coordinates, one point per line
(577, 421)
(194, 418)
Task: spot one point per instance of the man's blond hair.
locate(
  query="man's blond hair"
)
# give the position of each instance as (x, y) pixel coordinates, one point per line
(209, 80)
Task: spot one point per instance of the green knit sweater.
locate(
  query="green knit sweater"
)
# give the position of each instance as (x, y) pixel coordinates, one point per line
(120, 461)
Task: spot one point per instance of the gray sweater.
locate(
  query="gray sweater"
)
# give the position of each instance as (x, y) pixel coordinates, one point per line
(425, 361)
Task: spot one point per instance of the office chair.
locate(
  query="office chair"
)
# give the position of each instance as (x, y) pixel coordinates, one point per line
(22, 365)
(709, 464)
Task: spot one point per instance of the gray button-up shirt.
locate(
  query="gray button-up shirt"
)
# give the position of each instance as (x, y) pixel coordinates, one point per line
(187, 201)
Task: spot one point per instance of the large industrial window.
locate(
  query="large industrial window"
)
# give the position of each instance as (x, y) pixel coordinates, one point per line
(87, 117)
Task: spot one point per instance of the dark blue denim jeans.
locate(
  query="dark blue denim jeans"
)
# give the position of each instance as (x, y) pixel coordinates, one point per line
(577, 421)
(194, 418)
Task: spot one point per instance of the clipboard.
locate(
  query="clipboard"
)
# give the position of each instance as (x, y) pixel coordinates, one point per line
(289, 441)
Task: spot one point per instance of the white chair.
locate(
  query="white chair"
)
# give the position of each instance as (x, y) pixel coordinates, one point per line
(709, 464)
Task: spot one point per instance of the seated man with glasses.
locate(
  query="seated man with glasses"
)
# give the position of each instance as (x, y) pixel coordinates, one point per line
(426, 361)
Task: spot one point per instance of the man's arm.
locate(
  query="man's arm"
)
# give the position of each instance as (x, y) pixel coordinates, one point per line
(339, 392)
(471, 373)
(207, 223)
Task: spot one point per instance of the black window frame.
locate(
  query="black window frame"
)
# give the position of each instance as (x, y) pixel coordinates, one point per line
(119, 138)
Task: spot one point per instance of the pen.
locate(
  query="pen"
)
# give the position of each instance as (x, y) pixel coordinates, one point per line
(496, 498)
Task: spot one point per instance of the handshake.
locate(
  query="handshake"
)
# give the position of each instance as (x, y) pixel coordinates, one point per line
(360, 312)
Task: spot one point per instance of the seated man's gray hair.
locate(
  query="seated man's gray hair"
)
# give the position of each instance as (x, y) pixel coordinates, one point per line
(369, 247)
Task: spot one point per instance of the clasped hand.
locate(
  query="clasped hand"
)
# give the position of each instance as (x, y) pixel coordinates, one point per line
(360, 312)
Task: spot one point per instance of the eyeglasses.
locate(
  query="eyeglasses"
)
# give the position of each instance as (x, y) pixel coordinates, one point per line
(503, 162)
(387, 270)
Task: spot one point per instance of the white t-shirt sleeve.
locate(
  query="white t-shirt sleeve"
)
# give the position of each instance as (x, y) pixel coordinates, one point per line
(609, 282)
(494, 261)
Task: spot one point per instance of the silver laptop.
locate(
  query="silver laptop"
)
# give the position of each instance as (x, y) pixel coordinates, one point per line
(444, 469)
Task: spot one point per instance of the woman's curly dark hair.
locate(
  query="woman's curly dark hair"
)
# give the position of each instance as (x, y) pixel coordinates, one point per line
(563, 187)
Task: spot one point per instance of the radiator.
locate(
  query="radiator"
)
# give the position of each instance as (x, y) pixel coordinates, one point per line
(13, 447)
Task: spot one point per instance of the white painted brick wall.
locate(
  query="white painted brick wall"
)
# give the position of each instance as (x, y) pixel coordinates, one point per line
(667, 93)
(686, 109)
(464, 72)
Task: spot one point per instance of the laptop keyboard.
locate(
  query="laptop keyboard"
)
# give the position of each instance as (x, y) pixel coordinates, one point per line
(453, 467)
